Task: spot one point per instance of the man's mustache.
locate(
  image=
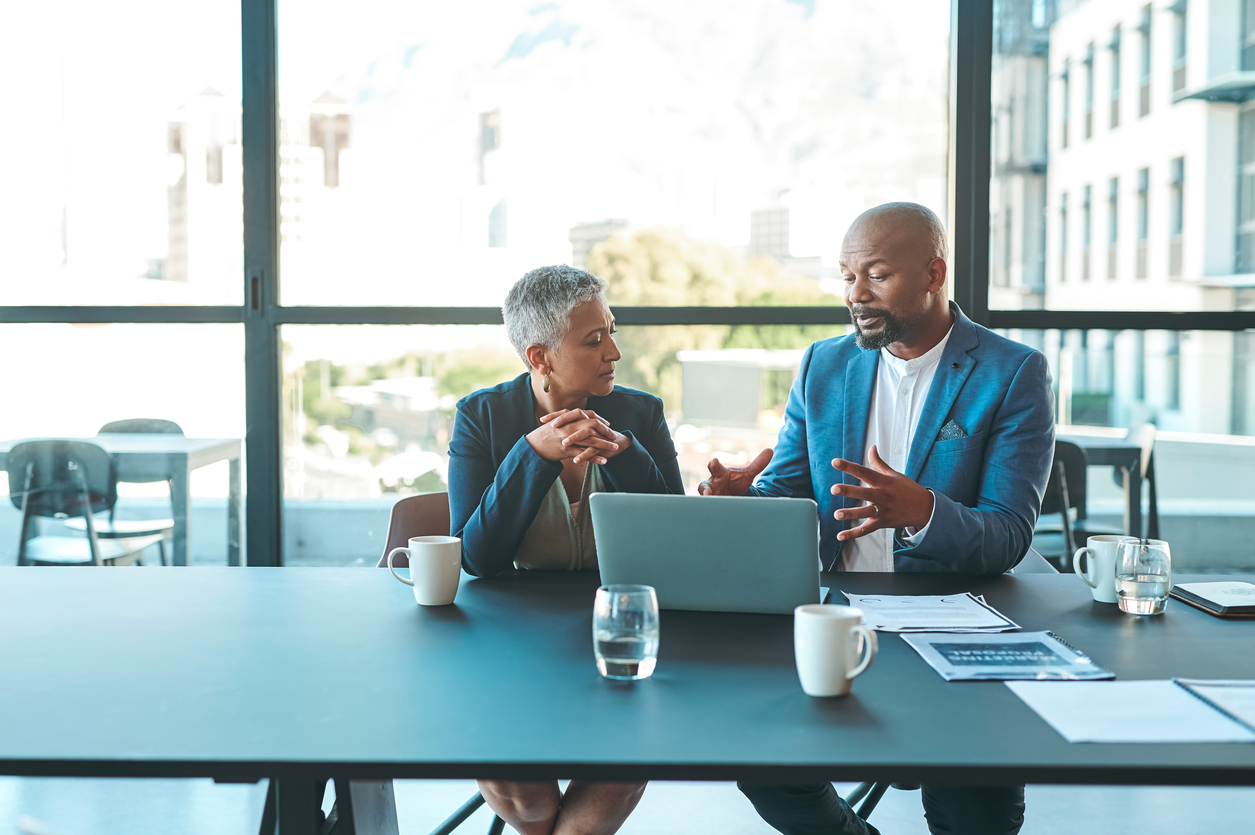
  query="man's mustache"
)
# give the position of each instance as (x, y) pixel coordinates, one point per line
(870, 312)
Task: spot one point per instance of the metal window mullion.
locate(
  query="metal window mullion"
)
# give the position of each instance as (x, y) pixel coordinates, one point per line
(124, 314)
(971, 57)
(262, 383)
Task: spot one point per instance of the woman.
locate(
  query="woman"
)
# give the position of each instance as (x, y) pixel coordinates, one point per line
(525, 456)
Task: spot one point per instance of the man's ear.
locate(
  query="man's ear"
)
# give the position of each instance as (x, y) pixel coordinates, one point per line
(538, 358)
(937, 275)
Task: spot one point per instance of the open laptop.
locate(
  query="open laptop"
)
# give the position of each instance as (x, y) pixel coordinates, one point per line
(711, 553)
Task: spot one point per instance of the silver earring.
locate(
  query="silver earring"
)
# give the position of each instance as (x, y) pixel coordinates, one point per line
(545, 387)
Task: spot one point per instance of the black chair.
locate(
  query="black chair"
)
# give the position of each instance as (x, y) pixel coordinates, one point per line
(67, 480)
(129, 528)
(1065, 493)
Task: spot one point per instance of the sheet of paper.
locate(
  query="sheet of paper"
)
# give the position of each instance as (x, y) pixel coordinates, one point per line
(1237, 698)
(1036, 656)
(1127, 711)
(929, 613)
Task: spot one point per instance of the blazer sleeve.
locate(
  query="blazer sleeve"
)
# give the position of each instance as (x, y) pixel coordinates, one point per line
(994, 536)
(649, 465)
(789, 472)
(491, 507)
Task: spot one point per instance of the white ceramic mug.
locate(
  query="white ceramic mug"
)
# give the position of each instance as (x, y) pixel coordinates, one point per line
(1099, 570)
(832, 646)
(435, 568)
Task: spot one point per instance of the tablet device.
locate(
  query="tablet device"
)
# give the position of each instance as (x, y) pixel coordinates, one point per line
(711, 553)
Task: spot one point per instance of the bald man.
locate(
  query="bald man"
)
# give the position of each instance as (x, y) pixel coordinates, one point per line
(926, 440)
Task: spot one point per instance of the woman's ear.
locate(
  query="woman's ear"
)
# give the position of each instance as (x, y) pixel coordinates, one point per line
(537, 358)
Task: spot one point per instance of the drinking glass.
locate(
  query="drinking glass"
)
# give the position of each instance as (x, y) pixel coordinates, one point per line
(1143, 575)
(625, 631)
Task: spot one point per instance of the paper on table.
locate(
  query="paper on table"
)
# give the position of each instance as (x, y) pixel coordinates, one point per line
(929, 613)
(1127, 711)
(1035, 656)
(1236, 698)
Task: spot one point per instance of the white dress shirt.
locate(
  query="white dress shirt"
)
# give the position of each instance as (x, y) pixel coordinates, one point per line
(898, 397)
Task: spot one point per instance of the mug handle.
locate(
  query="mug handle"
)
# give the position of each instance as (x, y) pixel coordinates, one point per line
(1076, 565)
(869, 648)
(392, 554)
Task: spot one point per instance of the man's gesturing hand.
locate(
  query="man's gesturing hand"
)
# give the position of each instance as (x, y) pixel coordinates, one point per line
(892, 499)
(732, 481)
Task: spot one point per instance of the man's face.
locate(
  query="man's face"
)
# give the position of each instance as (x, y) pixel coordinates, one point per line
(886, 282)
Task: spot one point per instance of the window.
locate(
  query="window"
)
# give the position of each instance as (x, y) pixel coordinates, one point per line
(1089, 91)
(1113, 227)
(1179, 41)
(1065, 106)
(1245, 255)
(1143, 106)
(1063, 237)
(1115, 77)
(1248, 34)
(1086, 229)
(1176, 218)
(1143, 222)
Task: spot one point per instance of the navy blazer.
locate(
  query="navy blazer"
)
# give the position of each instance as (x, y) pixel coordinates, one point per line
(497, 481)
(987, 482)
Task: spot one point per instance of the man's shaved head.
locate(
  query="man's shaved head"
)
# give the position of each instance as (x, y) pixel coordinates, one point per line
(909, 223)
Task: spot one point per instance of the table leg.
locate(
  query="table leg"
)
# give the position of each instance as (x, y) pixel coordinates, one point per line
(362, 807)
(293, 807)
(1133, 497)
(181, 500)
(365, 807)
(233, 515)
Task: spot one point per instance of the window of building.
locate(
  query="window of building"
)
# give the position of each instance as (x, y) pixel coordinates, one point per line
(1063, 237)
(1115, 76)
(1248, 34)
(1176, 218)
(1143, 106)
(1113, 226)
(1089, 91)
(1065, 108)
(1086, 229)
(1245, 256)
(1143, 222)
(1179, 39)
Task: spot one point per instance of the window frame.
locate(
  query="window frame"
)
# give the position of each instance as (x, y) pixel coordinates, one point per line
(969, 153)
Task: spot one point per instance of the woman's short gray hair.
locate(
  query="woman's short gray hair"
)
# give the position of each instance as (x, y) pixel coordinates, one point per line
(537, 310)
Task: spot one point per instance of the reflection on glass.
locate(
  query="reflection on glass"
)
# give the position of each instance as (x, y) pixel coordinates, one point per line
(439, 151)
(369, 410)
(1165, 151)
(68, 381)
(122, 177)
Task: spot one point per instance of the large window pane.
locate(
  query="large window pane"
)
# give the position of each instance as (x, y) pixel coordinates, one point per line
(432, 153)
(71, 380)
(122, 179)
(1198, 389)
(1170, 159)
(369, 410)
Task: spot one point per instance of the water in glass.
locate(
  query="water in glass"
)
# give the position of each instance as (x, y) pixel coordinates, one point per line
(1143, 576)
(625, 631)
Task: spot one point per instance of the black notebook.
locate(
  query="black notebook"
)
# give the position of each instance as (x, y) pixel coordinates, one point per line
(1226, 599)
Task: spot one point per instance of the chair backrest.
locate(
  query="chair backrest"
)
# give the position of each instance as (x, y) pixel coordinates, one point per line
(1067, 478)
(425, 515)
(1033, 563)
(50, 477)
(151, 426)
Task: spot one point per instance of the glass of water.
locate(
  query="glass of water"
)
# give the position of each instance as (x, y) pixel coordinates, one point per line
(1143, 575)
(625, 631)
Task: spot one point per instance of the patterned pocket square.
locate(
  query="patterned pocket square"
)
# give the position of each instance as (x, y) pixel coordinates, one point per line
(951, 431)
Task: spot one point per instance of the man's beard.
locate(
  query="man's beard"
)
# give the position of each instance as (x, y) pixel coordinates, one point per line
(893, 330)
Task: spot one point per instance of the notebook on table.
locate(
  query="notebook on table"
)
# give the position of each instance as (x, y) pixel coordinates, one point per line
(1228, 599)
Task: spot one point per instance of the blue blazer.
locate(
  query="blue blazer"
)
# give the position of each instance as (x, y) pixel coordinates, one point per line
(988, 484)
(497, 481)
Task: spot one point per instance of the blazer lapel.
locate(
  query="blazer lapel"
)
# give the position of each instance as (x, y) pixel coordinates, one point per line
(860, 377)
(953, 369)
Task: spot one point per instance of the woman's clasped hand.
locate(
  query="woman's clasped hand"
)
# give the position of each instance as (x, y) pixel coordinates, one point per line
(580, 435)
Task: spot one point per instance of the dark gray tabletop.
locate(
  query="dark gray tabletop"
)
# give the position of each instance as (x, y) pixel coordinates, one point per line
(295, 672)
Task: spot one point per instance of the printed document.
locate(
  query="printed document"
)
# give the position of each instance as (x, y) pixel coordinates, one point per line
(930, 613)
(1001, 657)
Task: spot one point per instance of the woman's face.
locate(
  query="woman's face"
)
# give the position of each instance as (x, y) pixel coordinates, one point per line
(584, 362)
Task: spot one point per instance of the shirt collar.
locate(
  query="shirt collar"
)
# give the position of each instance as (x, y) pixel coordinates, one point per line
(921, 362)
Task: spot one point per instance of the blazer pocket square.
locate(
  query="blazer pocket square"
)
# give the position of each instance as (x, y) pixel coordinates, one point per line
(951, 431)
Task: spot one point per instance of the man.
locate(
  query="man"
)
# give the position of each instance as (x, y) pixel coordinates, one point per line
(926, 440)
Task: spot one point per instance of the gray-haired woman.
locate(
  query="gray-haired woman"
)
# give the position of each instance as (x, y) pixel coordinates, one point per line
(525, 456)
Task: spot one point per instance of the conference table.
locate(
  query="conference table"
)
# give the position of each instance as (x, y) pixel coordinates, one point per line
(1104, 448)
(303, 674)
(141, 456)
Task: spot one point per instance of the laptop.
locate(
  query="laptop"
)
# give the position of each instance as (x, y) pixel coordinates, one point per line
(711, 553)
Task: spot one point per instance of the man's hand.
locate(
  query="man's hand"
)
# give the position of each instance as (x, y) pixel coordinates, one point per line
(732, 481)
(575, 434)
(892, 499)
